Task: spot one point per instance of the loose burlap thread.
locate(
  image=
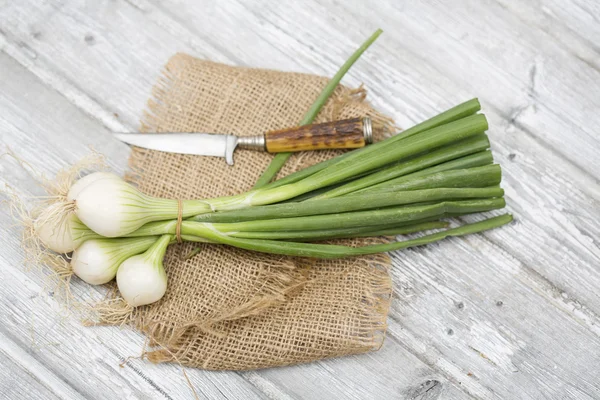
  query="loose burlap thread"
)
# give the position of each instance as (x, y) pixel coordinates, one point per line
(228, 308)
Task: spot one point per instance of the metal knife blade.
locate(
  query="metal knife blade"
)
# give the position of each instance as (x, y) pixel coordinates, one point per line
(202, 144)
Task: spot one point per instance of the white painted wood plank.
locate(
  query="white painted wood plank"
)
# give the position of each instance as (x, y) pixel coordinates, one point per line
(16, 381)
(538, 85)
(573, 24)
(387, 373)
(474, 311)
(110, 28)
(98, 351)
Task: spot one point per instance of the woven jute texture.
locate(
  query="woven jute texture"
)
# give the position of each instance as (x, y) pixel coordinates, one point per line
(232, 309)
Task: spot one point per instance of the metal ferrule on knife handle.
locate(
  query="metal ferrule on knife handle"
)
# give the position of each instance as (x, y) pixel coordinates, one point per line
(346, 134)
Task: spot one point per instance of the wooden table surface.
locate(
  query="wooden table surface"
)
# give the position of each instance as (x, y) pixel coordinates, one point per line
(513, 313)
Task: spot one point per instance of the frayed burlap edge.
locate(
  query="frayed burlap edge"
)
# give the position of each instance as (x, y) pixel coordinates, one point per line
(281, 282)
(182, 349)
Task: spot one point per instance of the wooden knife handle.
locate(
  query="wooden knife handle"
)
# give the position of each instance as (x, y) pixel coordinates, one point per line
(344, 134)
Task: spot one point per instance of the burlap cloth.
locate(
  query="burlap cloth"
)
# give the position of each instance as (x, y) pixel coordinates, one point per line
(232, 309)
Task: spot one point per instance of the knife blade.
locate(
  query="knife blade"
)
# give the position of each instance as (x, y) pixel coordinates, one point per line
(201, 144)
(349, 133)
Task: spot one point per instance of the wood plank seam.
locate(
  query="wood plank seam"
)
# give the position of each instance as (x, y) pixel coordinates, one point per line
(52, 382)
(560, 298)
(472, 389)
(558, 38)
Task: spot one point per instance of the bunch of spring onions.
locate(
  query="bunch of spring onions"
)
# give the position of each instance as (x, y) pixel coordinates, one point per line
(405, 184)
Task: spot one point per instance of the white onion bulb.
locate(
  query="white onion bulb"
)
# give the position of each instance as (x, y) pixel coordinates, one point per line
(112, 207)
(63, 236)
(65, 233)
(96, 261)
(142, 279)
(82, 183)
(57, 235)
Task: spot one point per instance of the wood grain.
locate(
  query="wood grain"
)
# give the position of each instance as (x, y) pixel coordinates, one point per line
(512, 313)
(344, 134)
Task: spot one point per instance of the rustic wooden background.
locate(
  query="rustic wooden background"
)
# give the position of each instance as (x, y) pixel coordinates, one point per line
(512, 313)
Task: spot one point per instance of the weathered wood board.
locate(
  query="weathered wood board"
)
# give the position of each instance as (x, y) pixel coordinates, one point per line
(512, 313)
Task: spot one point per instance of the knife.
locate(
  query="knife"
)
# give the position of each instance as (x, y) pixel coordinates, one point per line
(343, 134)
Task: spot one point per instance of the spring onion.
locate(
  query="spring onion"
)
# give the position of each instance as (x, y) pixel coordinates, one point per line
(477, 144)
(142, 278)
(402, 185)
(361, 201)
(335, 251)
